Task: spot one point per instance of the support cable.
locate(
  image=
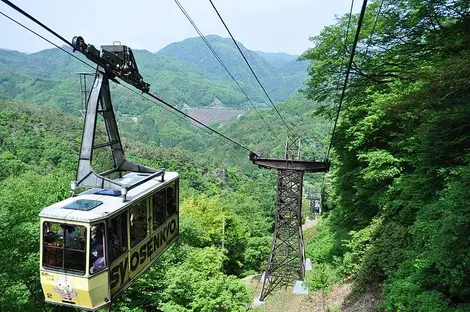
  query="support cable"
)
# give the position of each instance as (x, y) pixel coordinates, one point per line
(251, 69)
(373, 27)
(18, 9)
(170, 111)
(45, 39)
(147, 92)
(345, 50)
(77, 58)
(221, 62)
(347, 29)
(348, 71)
(197, 121)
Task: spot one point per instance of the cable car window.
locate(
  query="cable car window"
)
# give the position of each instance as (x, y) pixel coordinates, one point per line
(159, 208)
(64, 247)
(97, 248)
(138, 221)
(117, 236)
(171, 199)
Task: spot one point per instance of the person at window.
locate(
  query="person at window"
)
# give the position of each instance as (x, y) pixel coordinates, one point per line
(114, 247)
(49, 238)
(70, 231)
(71, 238)
(96, 237)
(96, 242)
(50, 254)
(99, 263)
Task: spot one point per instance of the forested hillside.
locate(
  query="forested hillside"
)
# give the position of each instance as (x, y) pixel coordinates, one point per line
(398, 195)
(38, 149)
(281, 79)
(277, 59)
(183, 73)
(266, 137)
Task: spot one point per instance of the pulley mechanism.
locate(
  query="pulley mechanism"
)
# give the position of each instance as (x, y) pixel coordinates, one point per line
(116, 60)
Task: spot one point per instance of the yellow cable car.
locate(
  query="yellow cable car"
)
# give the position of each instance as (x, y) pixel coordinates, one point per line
(94, 245)
(97, 243)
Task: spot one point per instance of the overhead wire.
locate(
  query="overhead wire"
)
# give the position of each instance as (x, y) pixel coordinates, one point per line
(367, 47)
(173, 113)
(348, 71)
(200, 123)
(211, 48)
(44, 38)
(79, 59)
(146, 92)
(347, 30)
(251, 69)
(18, 9)
(84, 62)
(373, 27)
(369, 40)
(345, 50)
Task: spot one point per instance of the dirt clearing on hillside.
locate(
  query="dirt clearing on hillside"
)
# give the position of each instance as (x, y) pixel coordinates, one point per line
(284, 300)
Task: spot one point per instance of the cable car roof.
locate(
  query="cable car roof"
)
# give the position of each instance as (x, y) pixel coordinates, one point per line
(98, 204)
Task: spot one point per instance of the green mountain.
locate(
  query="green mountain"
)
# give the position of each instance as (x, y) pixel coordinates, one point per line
(281, 82)
(272, 57)
(183, 73)
(195, 52)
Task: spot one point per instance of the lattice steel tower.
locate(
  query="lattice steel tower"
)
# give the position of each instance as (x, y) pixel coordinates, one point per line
(286, 262)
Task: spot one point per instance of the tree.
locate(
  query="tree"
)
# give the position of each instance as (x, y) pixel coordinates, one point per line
(22, 198)
(198, 285)
(400, 147)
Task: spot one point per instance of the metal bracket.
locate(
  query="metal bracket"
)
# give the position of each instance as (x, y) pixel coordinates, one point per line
(99, 102)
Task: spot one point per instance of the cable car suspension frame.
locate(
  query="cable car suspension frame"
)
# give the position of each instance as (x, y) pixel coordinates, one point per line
(113, 61)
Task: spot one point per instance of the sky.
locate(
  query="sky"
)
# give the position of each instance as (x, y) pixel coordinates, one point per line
(261, 25)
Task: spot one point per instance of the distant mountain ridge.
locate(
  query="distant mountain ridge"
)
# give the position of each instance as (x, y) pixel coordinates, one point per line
(281, 79)
(272, 56)
(195, 52)
(279, 59)
(183, 73)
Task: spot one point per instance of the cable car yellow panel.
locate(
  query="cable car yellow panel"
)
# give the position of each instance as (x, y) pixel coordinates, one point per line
(75, 291)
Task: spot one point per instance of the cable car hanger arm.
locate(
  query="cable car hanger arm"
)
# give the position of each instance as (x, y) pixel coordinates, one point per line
(116, 60)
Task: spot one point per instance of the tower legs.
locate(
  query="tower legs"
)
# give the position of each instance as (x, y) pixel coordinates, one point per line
(286, 261)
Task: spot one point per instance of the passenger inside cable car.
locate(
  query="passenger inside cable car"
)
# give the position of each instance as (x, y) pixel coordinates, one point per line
(64, 247)
(99, 262)
(97, 247)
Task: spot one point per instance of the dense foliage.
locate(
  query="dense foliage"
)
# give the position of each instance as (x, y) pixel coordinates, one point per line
(398, 194)
(220, 206)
